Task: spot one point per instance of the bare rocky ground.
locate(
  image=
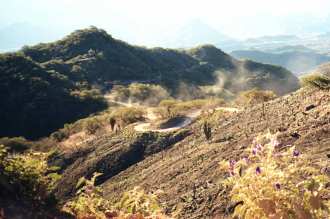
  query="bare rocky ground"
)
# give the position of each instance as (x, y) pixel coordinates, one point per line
(183, 167)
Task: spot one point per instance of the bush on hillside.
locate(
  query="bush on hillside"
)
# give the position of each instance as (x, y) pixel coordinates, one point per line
(92, 125)
(319, 81)
(89, 203)
(23, 178)
(254, 96)
(171, 108)
(277, 183)
(127, 115)
(59, 135)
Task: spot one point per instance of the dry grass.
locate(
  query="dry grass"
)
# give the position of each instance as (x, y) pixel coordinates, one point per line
(172, 108)
(319, 81)
(254, 96)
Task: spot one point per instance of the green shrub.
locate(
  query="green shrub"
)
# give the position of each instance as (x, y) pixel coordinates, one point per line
(315, 80)
(23, 177)
(274, 183)
(92, 125)
(89, 203)
(137, 201)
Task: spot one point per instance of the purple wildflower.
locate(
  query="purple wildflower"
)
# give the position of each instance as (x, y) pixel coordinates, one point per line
(232, 163)
(258, 170)
(259, 147)
(277, 186)
(254, 151)
(274, 142)
(296, 153)
(231, 167)
(246, 159)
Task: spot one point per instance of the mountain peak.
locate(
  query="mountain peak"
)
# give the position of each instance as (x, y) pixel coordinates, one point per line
(91, 31)
(77, 43)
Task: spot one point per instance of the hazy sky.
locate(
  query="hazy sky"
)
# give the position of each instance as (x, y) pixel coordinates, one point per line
(145, 20)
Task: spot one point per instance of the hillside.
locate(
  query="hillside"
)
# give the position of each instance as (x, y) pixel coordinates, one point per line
(184, 165)
(298, 62)
(72, 72)
(94, 56)
(36, 102)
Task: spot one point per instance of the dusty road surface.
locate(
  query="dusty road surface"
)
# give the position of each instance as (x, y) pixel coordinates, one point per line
(188, 119)
(152, 117)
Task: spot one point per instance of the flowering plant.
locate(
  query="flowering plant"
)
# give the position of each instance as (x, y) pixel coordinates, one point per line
(90, 204)
(276, 183)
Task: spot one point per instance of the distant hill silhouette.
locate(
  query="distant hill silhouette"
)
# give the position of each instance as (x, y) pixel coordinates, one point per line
(298, 61)
(195, 33)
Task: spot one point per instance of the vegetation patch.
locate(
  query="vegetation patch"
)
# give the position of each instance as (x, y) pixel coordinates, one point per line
(127, 115)
(89, 203)
(319, 81)
(172, 108)
(254, 96)
(26, 179)
(276, 182)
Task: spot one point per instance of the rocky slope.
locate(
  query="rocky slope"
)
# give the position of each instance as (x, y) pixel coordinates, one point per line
(184, 166)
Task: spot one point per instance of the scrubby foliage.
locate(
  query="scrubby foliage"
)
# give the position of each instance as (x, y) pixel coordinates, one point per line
(276, 182)
(92, 125)
(17, 144)
(89, 203)
(99, 123)
(26, 178)
(146, 94)
(319, 81)
(36, 102)
(127, 115)
(138, 202)
(171, 108)
(255, 96)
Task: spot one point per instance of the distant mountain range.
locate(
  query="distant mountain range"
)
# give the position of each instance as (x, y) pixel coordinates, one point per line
(193, 34)
(299, 60)
(319, 43)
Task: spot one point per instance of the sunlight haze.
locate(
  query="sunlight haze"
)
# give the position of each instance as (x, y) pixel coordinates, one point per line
(146, 22)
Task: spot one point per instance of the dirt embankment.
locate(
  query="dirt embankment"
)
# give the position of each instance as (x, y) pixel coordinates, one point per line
(185, 166)
(188, 173)
(110, 154)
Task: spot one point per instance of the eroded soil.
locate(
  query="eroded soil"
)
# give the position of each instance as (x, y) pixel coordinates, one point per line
(183, 167)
